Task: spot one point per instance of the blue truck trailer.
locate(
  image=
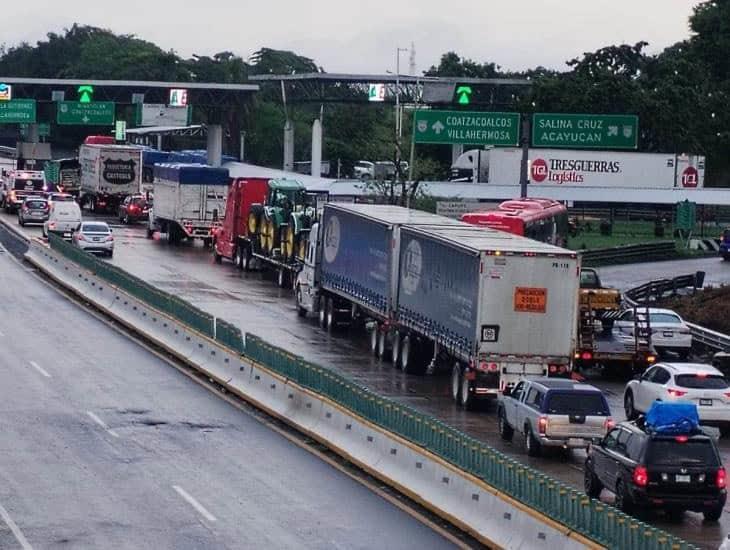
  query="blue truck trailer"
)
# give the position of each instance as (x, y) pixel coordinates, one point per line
(441, 294)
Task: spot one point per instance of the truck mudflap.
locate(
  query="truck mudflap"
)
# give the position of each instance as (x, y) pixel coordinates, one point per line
(492, 378)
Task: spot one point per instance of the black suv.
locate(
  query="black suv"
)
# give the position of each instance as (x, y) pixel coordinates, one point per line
(649, 470)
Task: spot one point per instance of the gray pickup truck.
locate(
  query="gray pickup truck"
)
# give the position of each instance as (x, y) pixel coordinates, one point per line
(553, 413)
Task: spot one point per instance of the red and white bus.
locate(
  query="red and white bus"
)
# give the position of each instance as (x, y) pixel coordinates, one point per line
(543, 220)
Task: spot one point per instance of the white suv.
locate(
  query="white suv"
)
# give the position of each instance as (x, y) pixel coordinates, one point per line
(703, 385)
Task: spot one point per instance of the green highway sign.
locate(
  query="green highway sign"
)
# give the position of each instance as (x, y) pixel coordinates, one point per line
(466, 127)
(44, 129)
(585, 131)
(96, 113)
(22, 111)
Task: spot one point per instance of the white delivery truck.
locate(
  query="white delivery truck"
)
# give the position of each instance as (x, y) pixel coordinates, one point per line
(190, 201)
(109, 173)
(490, 307)
(581, 168)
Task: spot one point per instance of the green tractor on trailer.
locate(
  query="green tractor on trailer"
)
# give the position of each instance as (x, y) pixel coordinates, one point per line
(278, 229)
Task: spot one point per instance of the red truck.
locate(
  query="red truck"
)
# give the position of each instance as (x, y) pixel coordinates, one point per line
(242, 193)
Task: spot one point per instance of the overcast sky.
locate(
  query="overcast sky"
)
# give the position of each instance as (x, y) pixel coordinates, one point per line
(362, 36)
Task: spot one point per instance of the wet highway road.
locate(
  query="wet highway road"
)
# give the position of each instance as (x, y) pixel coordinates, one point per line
(256, 305)
(103, 445)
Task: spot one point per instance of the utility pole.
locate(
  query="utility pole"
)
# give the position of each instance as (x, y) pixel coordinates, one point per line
(524, 179)
(398, 113)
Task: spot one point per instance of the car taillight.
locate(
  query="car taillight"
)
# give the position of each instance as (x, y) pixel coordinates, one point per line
(650, 359)
(493, 367)
(609, 424)
(681, 439)
(110, 238)
(641, 476)
(81, 237)
(727, 394)
(676, 393)
(553, 369)
(586, 356)
(542, 425)
(721, 479)
(52, 225)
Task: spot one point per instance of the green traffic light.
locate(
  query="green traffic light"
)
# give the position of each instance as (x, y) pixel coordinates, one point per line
(85, 93)
(463, 95)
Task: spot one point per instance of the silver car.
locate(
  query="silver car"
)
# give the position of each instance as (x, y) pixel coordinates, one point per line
(94, 237)
(34, 210)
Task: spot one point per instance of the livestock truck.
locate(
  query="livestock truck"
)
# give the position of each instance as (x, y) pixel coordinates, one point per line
(267, 224)
(190, 200)
(489, 306)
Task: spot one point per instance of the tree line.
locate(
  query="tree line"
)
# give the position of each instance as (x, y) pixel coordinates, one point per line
(680, 94)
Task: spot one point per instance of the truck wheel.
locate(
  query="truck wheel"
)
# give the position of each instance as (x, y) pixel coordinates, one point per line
(246, 259)
(301, 310)
(322, 315)
(532, 445)
(395, 351)
(456, 383)
(238, 258)
(217, 257)
(411, 362)
(505, 430)
(150, 233)
(282, 278)
(382, 344)
(468, 399)
(331, 319)
(591, 484)
(207, 242)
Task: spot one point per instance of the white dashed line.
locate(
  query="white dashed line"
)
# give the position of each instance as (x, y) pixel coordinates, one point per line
(2, 334)
(194, 503)
(40, 369)
(102, 424)
(15, 529)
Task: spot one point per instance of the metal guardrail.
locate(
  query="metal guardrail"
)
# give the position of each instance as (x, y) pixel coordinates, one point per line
(656, 290)
(661, 250)
(560, 502)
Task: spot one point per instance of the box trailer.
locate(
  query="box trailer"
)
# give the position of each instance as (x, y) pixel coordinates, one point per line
(190, 200)
(488, 306)
(109, 173)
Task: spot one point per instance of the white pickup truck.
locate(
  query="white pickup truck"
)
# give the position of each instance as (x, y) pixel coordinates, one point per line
(553, 413)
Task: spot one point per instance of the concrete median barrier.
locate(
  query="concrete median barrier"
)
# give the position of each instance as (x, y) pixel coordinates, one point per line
(461, 498)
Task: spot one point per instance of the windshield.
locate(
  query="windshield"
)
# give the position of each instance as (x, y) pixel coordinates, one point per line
(709, 382)
(35, 204)
(669, 452)
(95, 228)
(665, 318)
(577, 403)
(22, 184)
(588, 279)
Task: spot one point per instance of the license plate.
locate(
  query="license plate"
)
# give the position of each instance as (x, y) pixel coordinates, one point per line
(96, 239)
(683, 479)
(706, 402)
(575, 442)
(67, 234)
(667, 334)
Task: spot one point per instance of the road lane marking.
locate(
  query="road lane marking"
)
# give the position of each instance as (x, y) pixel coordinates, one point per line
(40, 369)
(2, 334)
(102, 424)
(15, 529)
(194, 503)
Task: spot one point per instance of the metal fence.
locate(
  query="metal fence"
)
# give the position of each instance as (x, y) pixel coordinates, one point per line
(560, 502)
(663, 288)
(661, 250)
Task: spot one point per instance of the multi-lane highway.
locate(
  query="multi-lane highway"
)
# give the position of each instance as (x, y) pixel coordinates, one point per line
(105, 445)
(256, 305)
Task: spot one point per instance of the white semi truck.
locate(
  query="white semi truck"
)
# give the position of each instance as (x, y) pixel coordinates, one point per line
(580, 168)
(109, 173)
(490, 307)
